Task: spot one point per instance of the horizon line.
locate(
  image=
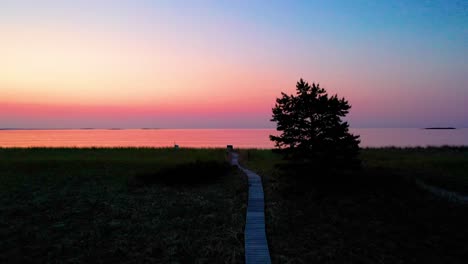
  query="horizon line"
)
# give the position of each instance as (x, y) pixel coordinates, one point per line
(217, 128)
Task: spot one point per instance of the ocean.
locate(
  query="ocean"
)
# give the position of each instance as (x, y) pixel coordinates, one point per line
(241, 138)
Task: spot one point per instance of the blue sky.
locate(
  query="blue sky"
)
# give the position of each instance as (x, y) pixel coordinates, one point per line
(399, 63)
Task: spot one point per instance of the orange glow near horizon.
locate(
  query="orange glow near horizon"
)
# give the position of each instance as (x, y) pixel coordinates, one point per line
(138, 59)
(61, 68)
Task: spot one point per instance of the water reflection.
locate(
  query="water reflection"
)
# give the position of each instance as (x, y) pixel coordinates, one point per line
(243, 138)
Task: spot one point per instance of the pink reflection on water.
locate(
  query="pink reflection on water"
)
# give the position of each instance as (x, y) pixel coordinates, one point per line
(411, 137)
(242, 138)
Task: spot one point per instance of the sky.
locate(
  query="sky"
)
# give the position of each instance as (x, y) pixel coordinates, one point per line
(221, 64)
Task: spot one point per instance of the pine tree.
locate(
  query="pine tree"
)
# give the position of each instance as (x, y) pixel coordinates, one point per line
(312, 129)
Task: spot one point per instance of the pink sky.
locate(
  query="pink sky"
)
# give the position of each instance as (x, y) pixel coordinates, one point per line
(128, 65)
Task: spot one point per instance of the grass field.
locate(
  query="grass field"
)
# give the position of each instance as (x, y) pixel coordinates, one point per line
(376, 215)
(445, 167)
(136, 205)
(105, 206)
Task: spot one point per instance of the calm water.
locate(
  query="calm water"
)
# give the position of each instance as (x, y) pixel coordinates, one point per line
(244, 138)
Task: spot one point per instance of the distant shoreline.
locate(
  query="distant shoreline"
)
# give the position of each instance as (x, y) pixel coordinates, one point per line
(85, 128)
(160, 128)
(435, 128)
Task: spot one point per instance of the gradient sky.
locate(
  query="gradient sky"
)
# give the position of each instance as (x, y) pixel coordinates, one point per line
(221, 64)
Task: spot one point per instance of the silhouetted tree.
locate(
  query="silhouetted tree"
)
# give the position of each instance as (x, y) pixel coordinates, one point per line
(312, 131)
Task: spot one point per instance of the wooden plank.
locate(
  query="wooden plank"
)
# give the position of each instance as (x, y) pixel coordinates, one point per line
(256, 245)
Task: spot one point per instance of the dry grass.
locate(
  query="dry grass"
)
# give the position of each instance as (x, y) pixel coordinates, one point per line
(376, 215)
(75, 205)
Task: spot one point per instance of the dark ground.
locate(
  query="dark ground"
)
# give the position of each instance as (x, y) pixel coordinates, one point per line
(120, 206)
(376, 215)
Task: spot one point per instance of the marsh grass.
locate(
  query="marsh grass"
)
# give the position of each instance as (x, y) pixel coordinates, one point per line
(444, 167)
(375, 215)
(183, 174)
(141, 205)
(76, 205)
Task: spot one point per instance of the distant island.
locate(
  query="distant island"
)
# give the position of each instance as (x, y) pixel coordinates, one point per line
(440, 128)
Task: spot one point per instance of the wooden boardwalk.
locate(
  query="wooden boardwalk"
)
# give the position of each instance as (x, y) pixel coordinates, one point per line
(256, 245)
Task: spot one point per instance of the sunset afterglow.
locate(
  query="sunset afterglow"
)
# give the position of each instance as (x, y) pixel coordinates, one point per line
(221, 64)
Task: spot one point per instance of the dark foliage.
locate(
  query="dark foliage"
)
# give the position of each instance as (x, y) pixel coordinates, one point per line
(375, 215)
(197, 172)
(73, 205)
(312, 130)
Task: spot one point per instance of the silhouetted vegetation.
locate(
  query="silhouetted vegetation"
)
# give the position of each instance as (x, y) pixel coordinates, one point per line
(122, 205)
(198, 172)
(375, 215)
(68, 205)
(312, 132)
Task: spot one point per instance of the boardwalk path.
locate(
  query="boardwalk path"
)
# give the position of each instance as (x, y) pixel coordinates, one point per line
(256, 246)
